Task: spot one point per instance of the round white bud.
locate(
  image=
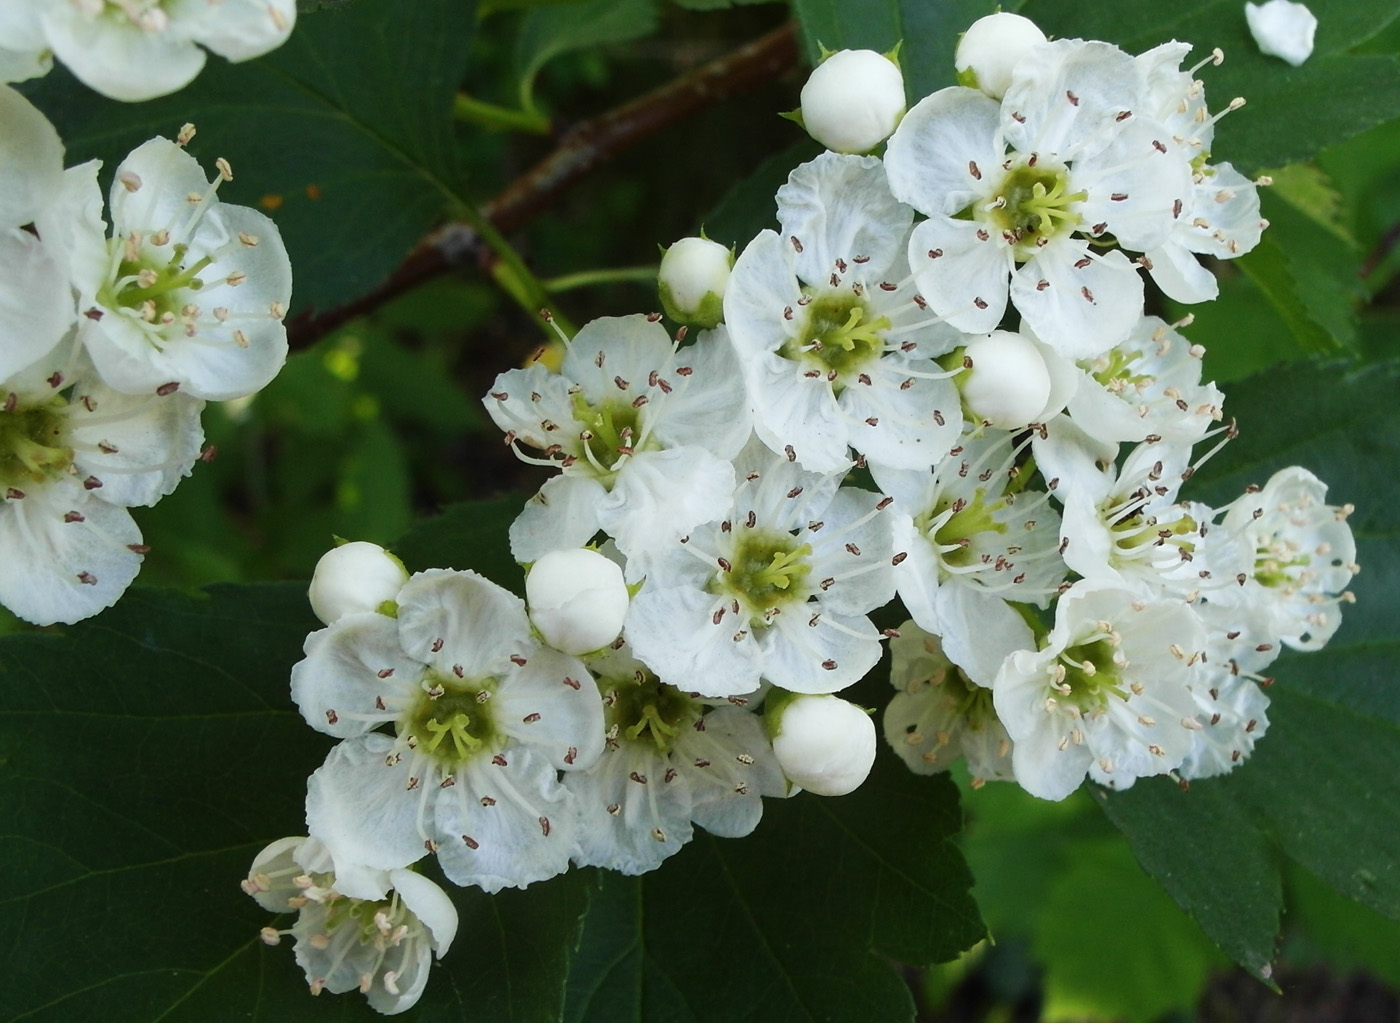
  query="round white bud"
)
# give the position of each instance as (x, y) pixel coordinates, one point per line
(853, 101)
(991, 48)
(694, 272)
(357, 576)
(825, 744)
(1008, 385)
(1282, 29)
(577, 599)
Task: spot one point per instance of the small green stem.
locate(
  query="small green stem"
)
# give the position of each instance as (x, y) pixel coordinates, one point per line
(498, 118)
(513, 276)
(592, 278)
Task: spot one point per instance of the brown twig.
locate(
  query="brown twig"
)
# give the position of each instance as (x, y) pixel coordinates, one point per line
(581, 148)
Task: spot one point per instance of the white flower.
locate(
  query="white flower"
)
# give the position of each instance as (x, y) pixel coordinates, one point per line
(383, 947)
(824, 744)
(356, 576)
(1017, 192)
(692, 279)
(642, 432)
(991, 47)
(669, 760)
(1108, 692)
(836, 346)
(938, 713)
(852, 100)
(778, 589)
(577, 599)
(189, 292)
(74, 455)
(976, 538)
(1301, 555)
(140, 49)
(1283, 29)
(1007, 384)
(31, 159)
(483, 717)
(24, 53)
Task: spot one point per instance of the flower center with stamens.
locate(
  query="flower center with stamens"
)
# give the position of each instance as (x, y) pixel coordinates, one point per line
(1034, 203)
(1113, 370)
(1087, 675)
(452, 720)
(1277, 567)
(767, 571)
(153, 287)
(839, 339)
(32, 448)
(650, 711)
(610, 431)
(1135, 534)
(953, 525)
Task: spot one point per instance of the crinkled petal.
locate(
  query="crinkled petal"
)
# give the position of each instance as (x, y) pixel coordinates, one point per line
(1180, 275)
(659, 496)
(839, 208)
(139, 447)
(74, 231)
(762, 287)
(613, 348)
(674, 633)
(825, 654)
(1064, 93)
(462, 621)
(797, 412)
(707, 406)
(634, 811)
(931, 155)
(563, 515)
(429, 904)
(550, 705)
(905, 427)
(1078, 302)
(961, 268)
(1137, 185)
(350, 668)
(853, 548)
(980, 630)
(729, 763)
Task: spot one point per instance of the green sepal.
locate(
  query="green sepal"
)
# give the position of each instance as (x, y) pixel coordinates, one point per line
(389, 609)
(795, 116)
(892, 55)
(709, 313)
(968, 78)
(774, 704)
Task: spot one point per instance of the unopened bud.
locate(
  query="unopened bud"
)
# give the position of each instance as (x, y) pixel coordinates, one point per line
(1008, 384)
(577, 600)
(824, 744)
(853, 101)
(1282, 29)
(990, 49)
(353, 577)
(694, 273)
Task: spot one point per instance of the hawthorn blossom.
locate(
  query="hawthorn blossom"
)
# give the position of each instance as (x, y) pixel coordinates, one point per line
(74, 456)
(382, 947)
(835, 344)
(189, 293)
(1024, 193)
(852, 100)
(140, 49)
(641, 430)
(778, 589)
(483, 718)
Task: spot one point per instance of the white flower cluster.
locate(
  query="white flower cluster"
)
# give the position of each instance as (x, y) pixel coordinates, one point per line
(110, 343)
(136, 49)
(704, 565)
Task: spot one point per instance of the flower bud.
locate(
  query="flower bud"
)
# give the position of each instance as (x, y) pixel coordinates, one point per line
(694, 272)
(1282, 29)
(824, 744)
(990, 50)
(353, 577)
(853, 101)
(1008, 385)
(577, 600)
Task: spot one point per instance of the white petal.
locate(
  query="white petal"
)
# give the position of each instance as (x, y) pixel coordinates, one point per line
(659, 496)
(31, 160)
(798, 412)
(343, 674)
(839, 208)
(930, 156)
(140, 446)
(74, 231)
(762, 288)
(708, 407)
(1078, 308)
(634, 810)
(1063, 94)
(1282, 29)
(673, 632)
(730, 765)
(116, 57)
(856, 554)
(906, 432)
(462, 620)
(242, 29)
(36, 304)
(824, 657)
(550, 705)
(980, 630)
(429, 904)
(562, 515)
(961, 268)
(615, 347)
(1180, 275)
(1138, 185)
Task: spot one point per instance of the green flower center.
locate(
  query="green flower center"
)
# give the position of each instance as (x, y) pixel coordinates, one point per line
(649, 711)
(1134, 535)
(151, 287)
(839, 338)
(1090, 675)
(1273, 568)
(952, 525)
(452, 720)
(1034, 203)
(31, 445)
(610, 431)
(1112, 370)
(767, 571)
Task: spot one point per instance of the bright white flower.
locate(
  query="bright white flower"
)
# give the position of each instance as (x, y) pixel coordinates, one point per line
(577, 599)
(836, 346)
(824, 744)
(1283, 29)
(356, 576)
(990, 49)
(641, 430)
(692, 279)
(140, 49)
(938, 713)
(383, 947)
(24, 53)
(852, 100)
(1147, 385)
(1230, 694)
(669, 760)
(188, 293)
(1018, 192)
(74, 455)
(1301, 557)
(779, 589)
(483, 716)
(976, 538)
(1108, 692)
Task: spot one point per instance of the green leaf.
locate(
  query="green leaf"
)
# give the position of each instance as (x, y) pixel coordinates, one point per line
(749, 207)
(549, 31)
(930, 33)
(717, 5)
(351, 156)
(470, 535)
(1114, 947)
(1292, 113)
(145, 756)
(789, 924)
